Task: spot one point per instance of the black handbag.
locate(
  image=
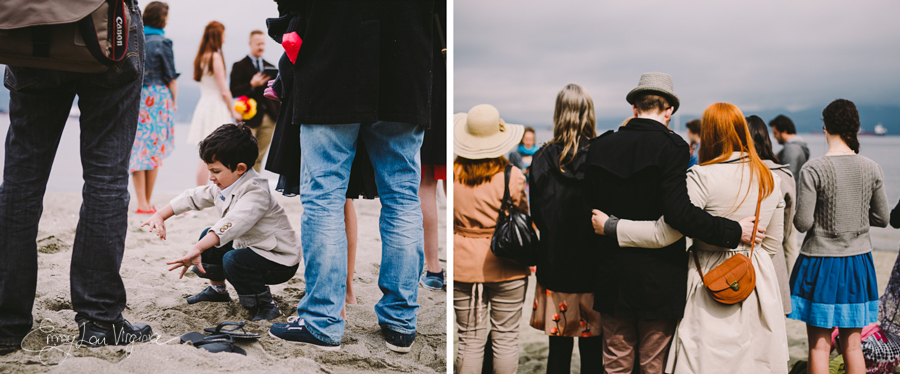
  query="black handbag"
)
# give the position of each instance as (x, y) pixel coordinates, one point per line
(514, 237)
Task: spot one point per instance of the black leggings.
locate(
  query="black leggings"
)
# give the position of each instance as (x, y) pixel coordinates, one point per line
(560, 358)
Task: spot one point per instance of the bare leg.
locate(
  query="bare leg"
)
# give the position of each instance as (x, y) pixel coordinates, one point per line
(202, 173)
(820, 348)
(851, 349)
(350, 225)
(139, 179)
(428, 204)
(150, 181)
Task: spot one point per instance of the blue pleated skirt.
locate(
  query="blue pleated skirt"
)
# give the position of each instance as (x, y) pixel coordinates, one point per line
(834, 291)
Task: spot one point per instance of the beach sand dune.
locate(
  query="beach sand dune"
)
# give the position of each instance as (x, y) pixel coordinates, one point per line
(156, 297)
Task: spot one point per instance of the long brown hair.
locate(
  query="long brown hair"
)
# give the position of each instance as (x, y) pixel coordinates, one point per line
(472, 173)
(724, 131)
(211, 43)
(573, 119)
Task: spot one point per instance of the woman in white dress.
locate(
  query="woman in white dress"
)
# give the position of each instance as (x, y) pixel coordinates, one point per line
(749, 336)
(214, 108)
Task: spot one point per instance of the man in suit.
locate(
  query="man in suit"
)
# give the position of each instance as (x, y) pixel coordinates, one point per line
(248, 79)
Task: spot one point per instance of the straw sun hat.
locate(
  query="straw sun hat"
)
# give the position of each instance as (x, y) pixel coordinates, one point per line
(481, 133)
(658, 83)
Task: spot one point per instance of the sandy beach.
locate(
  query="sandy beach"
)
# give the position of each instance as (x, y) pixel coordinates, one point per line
(156, 297)
(533, 346)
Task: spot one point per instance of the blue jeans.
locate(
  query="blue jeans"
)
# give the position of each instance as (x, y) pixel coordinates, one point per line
(248, 272)
(40, 100)
(327, 152)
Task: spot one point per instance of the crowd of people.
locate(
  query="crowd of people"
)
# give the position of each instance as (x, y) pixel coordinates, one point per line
(382, 133)
(614, 267)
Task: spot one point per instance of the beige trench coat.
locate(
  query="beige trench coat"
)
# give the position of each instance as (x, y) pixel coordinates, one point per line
(747, 337)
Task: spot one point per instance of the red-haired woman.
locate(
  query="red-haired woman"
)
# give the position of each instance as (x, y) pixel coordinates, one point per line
(486, 290)
(750, 336)
(214, 108)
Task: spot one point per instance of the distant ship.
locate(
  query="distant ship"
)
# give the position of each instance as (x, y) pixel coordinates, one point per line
(880, 130)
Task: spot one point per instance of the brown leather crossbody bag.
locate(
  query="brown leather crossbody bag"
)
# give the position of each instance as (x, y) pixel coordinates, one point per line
(734, 279)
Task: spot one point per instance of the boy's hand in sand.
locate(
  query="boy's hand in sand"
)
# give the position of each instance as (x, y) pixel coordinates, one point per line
(598, 219)
(156, 222)
(747, 228)
(191, 258)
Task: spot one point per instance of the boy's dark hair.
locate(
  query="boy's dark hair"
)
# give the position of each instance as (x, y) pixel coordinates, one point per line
(155, 14)
(783, 124)
(649, 102)
(231, 145)
(693, 126)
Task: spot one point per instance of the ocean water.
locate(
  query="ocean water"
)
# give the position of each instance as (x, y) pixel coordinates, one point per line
(885, 150)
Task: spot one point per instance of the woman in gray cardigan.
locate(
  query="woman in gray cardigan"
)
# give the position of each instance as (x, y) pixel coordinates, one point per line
(833, 284)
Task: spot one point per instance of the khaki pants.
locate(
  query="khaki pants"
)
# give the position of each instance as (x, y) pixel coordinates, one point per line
(263, 135)
(622, 336)
(470, 301)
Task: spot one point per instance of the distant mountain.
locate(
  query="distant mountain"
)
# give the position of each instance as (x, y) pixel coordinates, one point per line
(810, 120)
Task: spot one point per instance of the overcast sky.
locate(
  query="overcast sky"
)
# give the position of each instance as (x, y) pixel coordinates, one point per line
(758, 55)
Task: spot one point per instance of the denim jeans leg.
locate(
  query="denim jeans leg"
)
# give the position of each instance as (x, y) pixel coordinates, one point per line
(394, 150)
(39, 104)
(327, 152)
(249, 273)
(109, 104)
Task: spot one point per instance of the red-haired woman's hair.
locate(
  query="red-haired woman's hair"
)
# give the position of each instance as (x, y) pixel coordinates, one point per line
(723, 131)
(211, 42)
(472, 173)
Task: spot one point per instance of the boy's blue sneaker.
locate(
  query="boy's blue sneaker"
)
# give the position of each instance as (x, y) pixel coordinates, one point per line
(432, 281)
(398, 342)
(295, 331)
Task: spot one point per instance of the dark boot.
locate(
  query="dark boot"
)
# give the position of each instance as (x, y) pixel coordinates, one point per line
(261, 306)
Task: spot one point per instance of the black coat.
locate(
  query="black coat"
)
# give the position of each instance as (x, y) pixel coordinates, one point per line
(638, 173)
(568, 256)
(363, 62)
(241, 73)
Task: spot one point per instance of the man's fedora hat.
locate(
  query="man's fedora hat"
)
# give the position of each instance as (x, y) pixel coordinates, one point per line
(481, 133)
(657, 83)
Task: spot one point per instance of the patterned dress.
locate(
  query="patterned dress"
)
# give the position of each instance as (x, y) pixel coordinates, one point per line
(155, 132)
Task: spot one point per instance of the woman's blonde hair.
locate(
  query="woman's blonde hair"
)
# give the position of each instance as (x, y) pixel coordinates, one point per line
(724, 131)
(573, 119)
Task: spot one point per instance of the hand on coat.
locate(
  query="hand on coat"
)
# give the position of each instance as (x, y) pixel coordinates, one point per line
(747, 230)
(598, 219)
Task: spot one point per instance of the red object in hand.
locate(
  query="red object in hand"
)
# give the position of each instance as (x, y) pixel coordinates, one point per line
(291, 43)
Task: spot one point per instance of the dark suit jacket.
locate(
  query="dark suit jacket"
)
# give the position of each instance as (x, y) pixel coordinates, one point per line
(639, 173)
(241, 73)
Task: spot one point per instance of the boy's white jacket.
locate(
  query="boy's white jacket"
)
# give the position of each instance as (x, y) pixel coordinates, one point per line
(250, 217)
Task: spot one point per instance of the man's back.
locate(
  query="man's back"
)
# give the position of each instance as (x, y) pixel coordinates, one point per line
(795, 153)
(627, 178)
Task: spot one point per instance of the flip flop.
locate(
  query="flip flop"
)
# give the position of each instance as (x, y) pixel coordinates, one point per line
(212, 343)
(233, 332)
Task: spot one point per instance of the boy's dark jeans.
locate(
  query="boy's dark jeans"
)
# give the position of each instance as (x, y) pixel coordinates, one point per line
(248, 272)
(40, 100)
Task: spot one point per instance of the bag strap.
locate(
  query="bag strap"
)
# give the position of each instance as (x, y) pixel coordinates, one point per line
(752, 242)
(117, 30)
(507, 199)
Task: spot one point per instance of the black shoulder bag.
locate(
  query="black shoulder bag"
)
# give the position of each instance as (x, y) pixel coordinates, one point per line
(514, 237)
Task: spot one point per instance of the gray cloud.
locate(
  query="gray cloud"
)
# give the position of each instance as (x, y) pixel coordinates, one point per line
(758, 55)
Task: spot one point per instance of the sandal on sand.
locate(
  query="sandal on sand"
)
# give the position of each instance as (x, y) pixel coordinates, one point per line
(212, 343)
(233, 332)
